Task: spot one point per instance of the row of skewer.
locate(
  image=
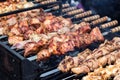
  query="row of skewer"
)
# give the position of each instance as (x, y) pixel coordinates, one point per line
(47, 35)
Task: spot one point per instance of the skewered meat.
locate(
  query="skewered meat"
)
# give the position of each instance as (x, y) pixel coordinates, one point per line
(43, 39)
(12, 21)
(91, 64)
(12, 6)
(31, 45)
(21, 44)
(70, 62)
(25, 23)
(14, 30)
(61, 47)
(105, 73)
(52, 40)
(44, 54)
(56, 23)
(14, 39)
(105, 48)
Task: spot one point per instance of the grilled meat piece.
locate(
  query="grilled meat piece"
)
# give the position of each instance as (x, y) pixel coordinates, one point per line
(31, 48)
(14, 39)
(52, 24)
(43, 54)
(96, 32)
(21, 44)
(24, 26)
(14, 30)
(12, 21)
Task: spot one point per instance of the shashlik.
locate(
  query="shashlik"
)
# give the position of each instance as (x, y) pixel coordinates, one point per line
(103, 49)
(105, 73)
(59, 38)
(69, 62)
(33, 22)
(69, 42)
(12, 6)
(45, 40)
(93, 63)
(51, 44)
(36, 37)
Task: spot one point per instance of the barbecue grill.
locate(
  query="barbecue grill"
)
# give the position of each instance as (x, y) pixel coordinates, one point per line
(20, 68)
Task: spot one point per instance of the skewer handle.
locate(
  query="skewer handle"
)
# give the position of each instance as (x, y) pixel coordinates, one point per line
(100, 20)
(64, 5)
(91, 18)
(109, 24)
(87, 13)
(75, 12)
(116, 29)
(68, 9)
(48, 1)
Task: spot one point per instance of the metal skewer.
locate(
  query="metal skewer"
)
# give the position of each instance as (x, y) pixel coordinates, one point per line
(2, 37)
(50, 72)
(70, 76)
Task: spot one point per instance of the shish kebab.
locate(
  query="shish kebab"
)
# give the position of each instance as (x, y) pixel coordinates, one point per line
(12, 40)
(71, 64)
(19, 29)
(68, 35)
(12, 6)
(44, 53)
(94, 18)
(34, 48)
(24, 22)
(35, 22)
(74, 40)
(62, 30)
(93, 63)
(82, 29)
(105, 73)
(103, 49)
(75, 27)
